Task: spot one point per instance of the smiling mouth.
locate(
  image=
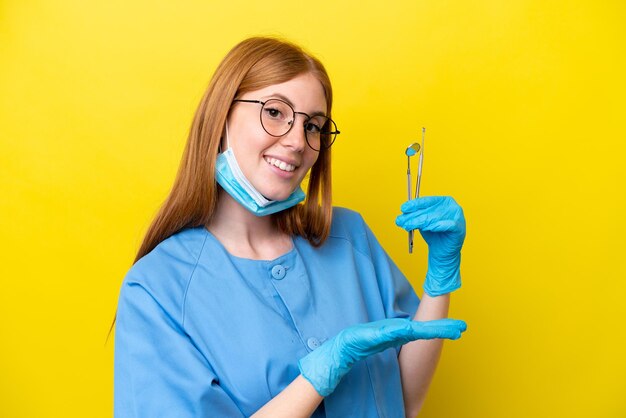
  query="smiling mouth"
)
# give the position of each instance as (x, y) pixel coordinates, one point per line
(280, 164)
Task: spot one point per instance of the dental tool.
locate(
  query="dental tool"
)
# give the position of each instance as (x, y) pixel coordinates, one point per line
(412, 150)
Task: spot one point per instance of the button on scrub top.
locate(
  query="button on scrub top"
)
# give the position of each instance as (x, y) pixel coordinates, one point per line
(202, 333)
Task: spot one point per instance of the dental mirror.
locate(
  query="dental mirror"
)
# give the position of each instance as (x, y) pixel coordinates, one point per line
(412, 149)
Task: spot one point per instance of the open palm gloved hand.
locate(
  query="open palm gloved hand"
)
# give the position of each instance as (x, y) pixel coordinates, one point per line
(441, 223)
(325, 366)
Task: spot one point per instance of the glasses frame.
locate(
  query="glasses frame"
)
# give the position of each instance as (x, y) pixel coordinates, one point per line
(292, 123)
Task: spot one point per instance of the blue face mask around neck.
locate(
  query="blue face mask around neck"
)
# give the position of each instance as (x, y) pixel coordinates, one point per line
(229, 175)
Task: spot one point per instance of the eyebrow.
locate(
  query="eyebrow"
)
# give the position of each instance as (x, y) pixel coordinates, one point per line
(286, 99)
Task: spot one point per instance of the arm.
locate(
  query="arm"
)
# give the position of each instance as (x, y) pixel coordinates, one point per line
(441, 223)
(158, 371)
(418, 359)
(299, 399)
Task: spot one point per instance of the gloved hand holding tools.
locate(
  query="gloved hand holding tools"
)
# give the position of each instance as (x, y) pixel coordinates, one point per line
(441, 223)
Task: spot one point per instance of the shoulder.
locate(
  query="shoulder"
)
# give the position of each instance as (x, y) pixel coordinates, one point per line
(166, 270)
(346, 223)
(350, 226)
(177, 254)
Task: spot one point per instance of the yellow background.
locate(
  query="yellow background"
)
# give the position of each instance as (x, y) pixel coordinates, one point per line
(524, 107)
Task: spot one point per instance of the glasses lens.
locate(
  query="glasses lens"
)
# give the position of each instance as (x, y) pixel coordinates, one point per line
(276, 117)
(320, 132)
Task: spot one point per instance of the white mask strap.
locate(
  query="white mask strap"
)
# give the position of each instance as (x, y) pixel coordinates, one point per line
(226, 126)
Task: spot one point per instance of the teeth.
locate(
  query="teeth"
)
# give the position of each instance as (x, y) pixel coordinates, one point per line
(280, 164)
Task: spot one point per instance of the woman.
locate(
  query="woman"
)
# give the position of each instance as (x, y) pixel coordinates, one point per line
(243, 301)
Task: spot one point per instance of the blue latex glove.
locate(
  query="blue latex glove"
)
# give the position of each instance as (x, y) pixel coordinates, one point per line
(325, 366)
(441, 222)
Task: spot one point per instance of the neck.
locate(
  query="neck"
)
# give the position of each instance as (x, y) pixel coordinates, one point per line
(244, 234)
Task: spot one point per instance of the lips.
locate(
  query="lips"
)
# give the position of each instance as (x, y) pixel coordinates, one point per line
(282, 165)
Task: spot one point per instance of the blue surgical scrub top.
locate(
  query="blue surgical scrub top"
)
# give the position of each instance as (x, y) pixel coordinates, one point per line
(203, 333)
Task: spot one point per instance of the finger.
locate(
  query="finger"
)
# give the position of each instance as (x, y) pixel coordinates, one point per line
(446, 328)
(400, 331)
(431, 333)
(447, 322)
(395, 329)
(421, 203)
(425, 223)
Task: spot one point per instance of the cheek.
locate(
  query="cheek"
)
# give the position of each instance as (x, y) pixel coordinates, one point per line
(310, 162)
(248, 145)
(311, 157)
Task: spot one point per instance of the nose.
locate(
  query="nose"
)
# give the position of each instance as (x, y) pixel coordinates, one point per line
(296, 137)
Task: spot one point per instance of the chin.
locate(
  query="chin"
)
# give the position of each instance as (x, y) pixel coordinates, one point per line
(278, 195)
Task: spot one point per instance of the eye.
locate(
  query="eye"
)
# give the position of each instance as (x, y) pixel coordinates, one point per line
(313, 127)
(273, 113)
(277, 111)
(317, 125)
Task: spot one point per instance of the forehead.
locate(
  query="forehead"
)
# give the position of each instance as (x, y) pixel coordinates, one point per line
(304, 92)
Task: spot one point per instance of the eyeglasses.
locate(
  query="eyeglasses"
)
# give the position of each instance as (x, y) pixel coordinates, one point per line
(278, 117)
